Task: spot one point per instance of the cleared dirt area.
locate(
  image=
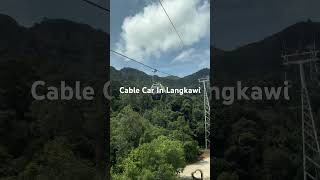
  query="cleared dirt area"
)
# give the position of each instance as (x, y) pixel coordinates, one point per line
(203, 165)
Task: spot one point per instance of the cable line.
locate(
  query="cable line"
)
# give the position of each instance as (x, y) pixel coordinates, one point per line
(174, 27)
(152, 68)
(122, 55)
(96, 5)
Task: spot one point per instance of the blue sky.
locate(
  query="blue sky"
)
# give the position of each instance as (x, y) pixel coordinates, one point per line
(141, 30)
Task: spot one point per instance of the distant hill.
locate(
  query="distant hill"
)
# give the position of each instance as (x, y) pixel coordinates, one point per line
(134, 77)
(190, 79)
(263, 59)
(173, 77)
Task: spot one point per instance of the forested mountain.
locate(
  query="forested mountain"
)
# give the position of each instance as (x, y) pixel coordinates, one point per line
(154, 139)
(134, 77)
(262, 139)
(51, 139)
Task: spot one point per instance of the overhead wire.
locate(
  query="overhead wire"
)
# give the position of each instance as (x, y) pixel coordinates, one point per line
(125, 56)
(96, 5)
(174, 27)
(139, 62)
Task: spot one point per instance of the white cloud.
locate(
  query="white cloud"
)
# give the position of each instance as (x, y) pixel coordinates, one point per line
(149, 33)
(200, 58)
(184, 56)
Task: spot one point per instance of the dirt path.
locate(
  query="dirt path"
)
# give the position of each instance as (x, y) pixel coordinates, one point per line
(203, 165)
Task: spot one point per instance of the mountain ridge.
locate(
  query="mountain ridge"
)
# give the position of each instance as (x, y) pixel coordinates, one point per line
(201, 71)
(131, 76)
(263, 58)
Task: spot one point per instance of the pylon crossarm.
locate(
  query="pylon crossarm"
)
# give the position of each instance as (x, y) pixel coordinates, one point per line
(311, 147)
(313, 162)
(310, 176)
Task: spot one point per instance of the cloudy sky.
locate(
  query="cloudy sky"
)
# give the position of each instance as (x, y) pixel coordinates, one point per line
(140, 29)
(235, 23)
(239, 22)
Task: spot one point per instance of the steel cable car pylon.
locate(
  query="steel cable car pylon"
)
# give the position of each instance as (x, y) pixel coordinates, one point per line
(206, 105)
(310, 143)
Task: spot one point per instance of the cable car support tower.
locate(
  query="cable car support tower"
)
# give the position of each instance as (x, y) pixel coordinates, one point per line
(310, 143)
(206, 104)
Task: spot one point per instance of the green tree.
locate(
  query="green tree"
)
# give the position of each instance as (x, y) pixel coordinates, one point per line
(158, 117)
(159, 159)
(128, 127)
(191, 151)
